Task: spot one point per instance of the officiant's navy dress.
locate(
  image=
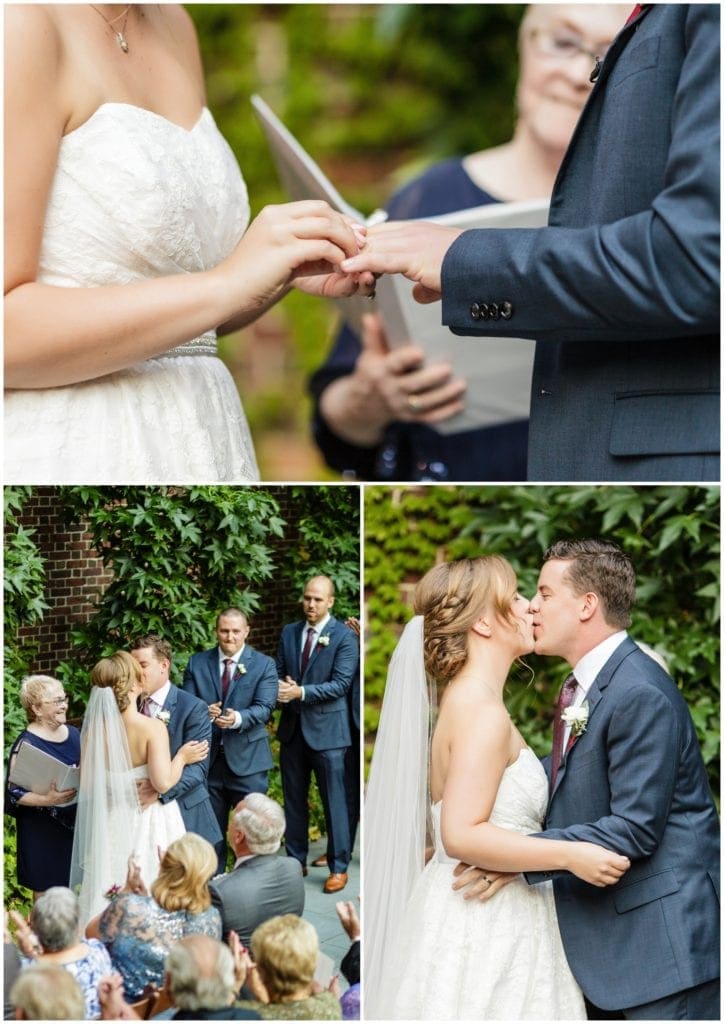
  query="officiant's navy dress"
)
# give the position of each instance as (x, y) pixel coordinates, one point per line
(45, 834)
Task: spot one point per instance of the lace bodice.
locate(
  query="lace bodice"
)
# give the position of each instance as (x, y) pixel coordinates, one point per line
(135, 197)
(520, 805)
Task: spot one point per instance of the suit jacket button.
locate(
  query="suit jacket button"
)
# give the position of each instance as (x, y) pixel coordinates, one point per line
(484, 311)
(475, 311)
(494, 310)
(506, 309)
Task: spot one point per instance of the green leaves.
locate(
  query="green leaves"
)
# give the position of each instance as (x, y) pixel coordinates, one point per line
(671, 533)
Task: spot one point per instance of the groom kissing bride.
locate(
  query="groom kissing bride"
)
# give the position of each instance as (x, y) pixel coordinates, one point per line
(640, 930)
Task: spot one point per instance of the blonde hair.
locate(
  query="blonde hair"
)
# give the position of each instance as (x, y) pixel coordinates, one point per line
(285, 950)
(451, 598)
(33, 690)
(119, 672)
(186, 867)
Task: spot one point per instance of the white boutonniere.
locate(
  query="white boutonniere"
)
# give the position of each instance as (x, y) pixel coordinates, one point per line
(576, 718)
(324, 640)
(164, 716)
(241, 669)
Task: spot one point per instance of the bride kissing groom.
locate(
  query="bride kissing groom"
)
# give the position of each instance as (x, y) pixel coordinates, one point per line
(639, 926)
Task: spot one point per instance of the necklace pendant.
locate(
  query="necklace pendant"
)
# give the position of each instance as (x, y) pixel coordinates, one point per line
(122, 42)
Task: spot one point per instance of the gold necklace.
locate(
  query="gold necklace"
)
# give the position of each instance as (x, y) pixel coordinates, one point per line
(120, 37)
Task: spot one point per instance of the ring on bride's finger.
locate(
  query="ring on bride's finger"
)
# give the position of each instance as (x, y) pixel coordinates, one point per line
(486, 879)
(413, 403)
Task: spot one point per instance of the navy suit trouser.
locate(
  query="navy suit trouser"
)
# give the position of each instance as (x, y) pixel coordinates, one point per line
(352, 784)
(297, 761)
(226, 789)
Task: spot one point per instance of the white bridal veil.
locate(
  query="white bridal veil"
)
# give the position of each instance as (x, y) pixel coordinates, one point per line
(395, 814)
(108, 808)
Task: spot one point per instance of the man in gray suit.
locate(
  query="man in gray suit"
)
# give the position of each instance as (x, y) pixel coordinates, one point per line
(261, 884)
(621, 290)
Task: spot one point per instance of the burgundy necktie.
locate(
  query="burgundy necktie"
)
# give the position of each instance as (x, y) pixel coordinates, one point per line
(307, 649)
(226, 677)
(565, 699)
(147, 708)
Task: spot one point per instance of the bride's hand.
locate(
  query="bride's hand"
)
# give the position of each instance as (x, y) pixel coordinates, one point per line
(287, 244)
(480, 883)
(596, 865)
(194, 751)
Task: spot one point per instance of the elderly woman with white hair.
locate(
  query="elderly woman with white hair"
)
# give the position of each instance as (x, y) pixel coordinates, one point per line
(45, 821)
(52, 936)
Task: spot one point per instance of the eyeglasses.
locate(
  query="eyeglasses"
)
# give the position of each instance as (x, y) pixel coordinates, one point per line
(563, 46)
(58, 701)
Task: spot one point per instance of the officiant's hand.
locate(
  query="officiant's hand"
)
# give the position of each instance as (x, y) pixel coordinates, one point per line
(214, 710)
(56, 796)
(479, 883)
(389, 386)
(225, 720)
(413, 248)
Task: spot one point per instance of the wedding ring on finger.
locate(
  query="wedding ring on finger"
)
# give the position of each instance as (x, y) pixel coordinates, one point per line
(486, 879)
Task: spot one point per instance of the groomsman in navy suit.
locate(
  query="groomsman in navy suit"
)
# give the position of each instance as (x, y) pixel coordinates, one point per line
(239, 687)
(316, 661)
(186, 719)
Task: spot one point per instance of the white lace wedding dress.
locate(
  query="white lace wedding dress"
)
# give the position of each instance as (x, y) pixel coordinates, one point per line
(136, 196)
(500, 960)
(143, 833)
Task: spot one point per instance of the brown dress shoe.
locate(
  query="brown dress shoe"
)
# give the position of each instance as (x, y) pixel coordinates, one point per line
(320, 862)
(336, 882)
(305, 871)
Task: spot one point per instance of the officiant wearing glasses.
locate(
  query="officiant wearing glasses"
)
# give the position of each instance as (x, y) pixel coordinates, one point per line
(44, 825)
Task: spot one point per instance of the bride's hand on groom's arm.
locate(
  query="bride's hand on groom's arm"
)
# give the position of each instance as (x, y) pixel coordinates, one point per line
(595, 864)
(480, 883)
(194, 751)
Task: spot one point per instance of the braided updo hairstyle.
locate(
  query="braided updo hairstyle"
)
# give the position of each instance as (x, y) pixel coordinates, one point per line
(119, 672)
(452, 597)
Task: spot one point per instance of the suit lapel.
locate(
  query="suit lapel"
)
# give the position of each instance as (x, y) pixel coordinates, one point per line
(595, 694)
(329, 630)
(242, 668)
(212, 672)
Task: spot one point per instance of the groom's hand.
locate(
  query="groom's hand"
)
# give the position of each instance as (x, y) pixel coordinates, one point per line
(479, 883)
(146, 793)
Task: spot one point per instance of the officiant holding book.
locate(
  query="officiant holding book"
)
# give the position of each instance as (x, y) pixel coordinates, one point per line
(377, 408)
(45, 820)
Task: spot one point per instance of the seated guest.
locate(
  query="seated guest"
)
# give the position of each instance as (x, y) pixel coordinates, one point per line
(201, 981)
(285, 951)
(43, 822)
(47, 992)
(140, 930)
(52, 937)
(350, 966)
(261, 884)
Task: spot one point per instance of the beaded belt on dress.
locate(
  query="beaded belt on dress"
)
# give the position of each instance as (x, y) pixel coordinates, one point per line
(204, 345)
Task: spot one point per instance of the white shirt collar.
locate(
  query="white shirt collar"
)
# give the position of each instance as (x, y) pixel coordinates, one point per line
(240, 860)
(318, 628)
(234, 657)
(591, 663)
(159, 697)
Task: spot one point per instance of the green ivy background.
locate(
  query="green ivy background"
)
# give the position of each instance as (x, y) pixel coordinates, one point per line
(176, 555)
(671, 533)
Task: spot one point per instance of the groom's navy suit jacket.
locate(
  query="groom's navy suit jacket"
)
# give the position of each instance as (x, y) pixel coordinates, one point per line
(621, 290)
(252, 692)
(323, 715)
(635, 783)
(189, 720)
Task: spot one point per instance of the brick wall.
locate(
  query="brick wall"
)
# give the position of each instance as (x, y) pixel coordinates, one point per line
(75, 577)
